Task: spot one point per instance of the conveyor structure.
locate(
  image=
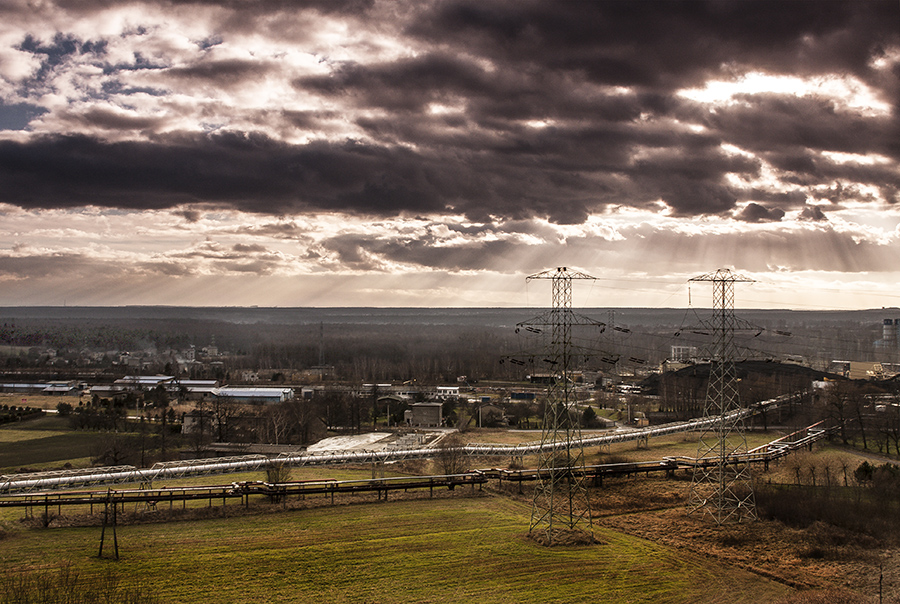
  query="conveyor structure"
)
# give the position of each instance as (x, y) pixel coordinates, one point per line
(152, 498)
(64, 479)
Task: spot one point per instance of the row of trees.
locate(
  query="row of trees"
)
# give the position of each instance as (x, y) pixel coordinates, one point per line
(11, 413)
(867, 413)
(682, 394)
(863, 498)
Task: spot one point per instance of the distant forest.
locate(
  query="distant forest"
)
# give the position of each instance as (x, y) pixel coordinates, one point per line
(421, 344)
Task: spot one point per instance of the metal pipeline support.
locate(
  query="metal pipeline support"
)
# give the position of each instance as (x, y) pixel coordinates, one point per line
(223, 465)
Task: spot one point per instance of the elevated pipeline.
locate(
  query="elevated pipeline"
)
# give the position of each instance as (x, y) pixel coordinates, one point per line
(222, 465)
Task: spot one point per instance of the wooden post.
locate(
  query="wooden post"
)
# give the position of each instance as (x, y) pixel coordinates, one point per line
(115, 534)
(106, 503)
(103, 530)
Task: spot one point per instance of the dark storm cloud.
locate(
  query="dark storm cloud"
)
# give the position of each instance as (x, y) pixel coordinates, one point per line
(307, 120)
(260, 6)
(655, 47)
(78, 265)
(231, 72)
(165, 268)
(107, 119)
(753, 212)
(48, 265)
(789, 199)
(351, 253)
(530, 122)
(244, 248)
(67, 265)
(251, 172)
(791, 126)
(238, 258)
(279, 230)
(691, 178)
(269, 6)
(664, 44)
(190, 215)
(562, 172)
(822, 248)
(813, 214)
(363, 252)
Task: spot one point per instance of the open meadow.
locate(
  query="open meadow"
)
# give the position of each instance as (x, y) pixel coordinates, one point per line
(464, 545)
(44, 443)
(461, 549)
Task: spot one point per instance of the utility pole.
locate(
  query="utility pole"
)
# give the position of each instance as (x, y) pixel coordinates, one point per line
(722, 485)
(560, 505)
(321, 345)
(374, 406)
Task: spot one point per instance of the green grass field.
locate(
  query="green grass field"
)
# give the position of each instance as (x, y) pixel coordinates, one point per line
(457, 548)
(463, 549)
(44, 443)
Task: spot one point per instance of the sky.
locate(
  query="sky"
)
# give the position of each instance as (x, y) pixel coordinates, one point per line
(436, 153)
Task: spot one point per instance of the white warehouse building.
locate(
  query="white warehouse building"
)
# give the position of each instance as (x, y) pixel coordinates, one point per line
(252, 395)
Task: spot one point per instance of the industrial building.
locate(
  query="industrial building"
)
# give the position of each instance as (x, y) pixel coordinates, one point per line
(683, 354)
(253, 396)
(69, 388)
(890, 335)
(424, 415)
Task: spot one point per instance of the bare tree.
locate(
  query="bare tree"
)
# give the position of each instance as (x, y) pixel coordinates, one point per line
(294, 421)
(198, 426)
(889, 423)
(224, 415)
(837, 406)
(113, 450)
(451, 456)
(277, 423)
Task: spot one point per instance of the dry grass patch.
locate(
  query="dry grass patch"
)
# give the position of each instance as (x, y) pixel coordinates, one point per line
(816, 557)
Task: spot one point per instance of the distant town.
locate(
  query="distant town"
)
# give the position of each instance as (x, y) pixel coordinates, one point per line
(286, 377)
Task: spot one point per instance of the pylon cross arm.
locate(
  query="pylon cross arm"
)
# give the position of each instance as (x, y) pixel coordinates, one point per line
(561, 272)
(724, 274)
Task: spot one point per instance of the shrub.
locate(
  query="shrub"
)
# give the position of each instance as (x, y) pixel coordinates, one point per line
(589, 418)
(66, 585)
(277, 472)
(864, 473)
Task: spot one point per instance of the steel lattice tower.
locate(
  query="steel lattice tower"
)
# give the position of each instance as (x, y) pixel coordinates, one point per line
(722, 485)
(560, 501)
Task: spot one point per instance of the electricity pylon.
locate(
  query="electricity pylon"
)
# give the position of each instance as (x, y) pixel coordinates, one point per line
(560, 504)
(722, 485)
